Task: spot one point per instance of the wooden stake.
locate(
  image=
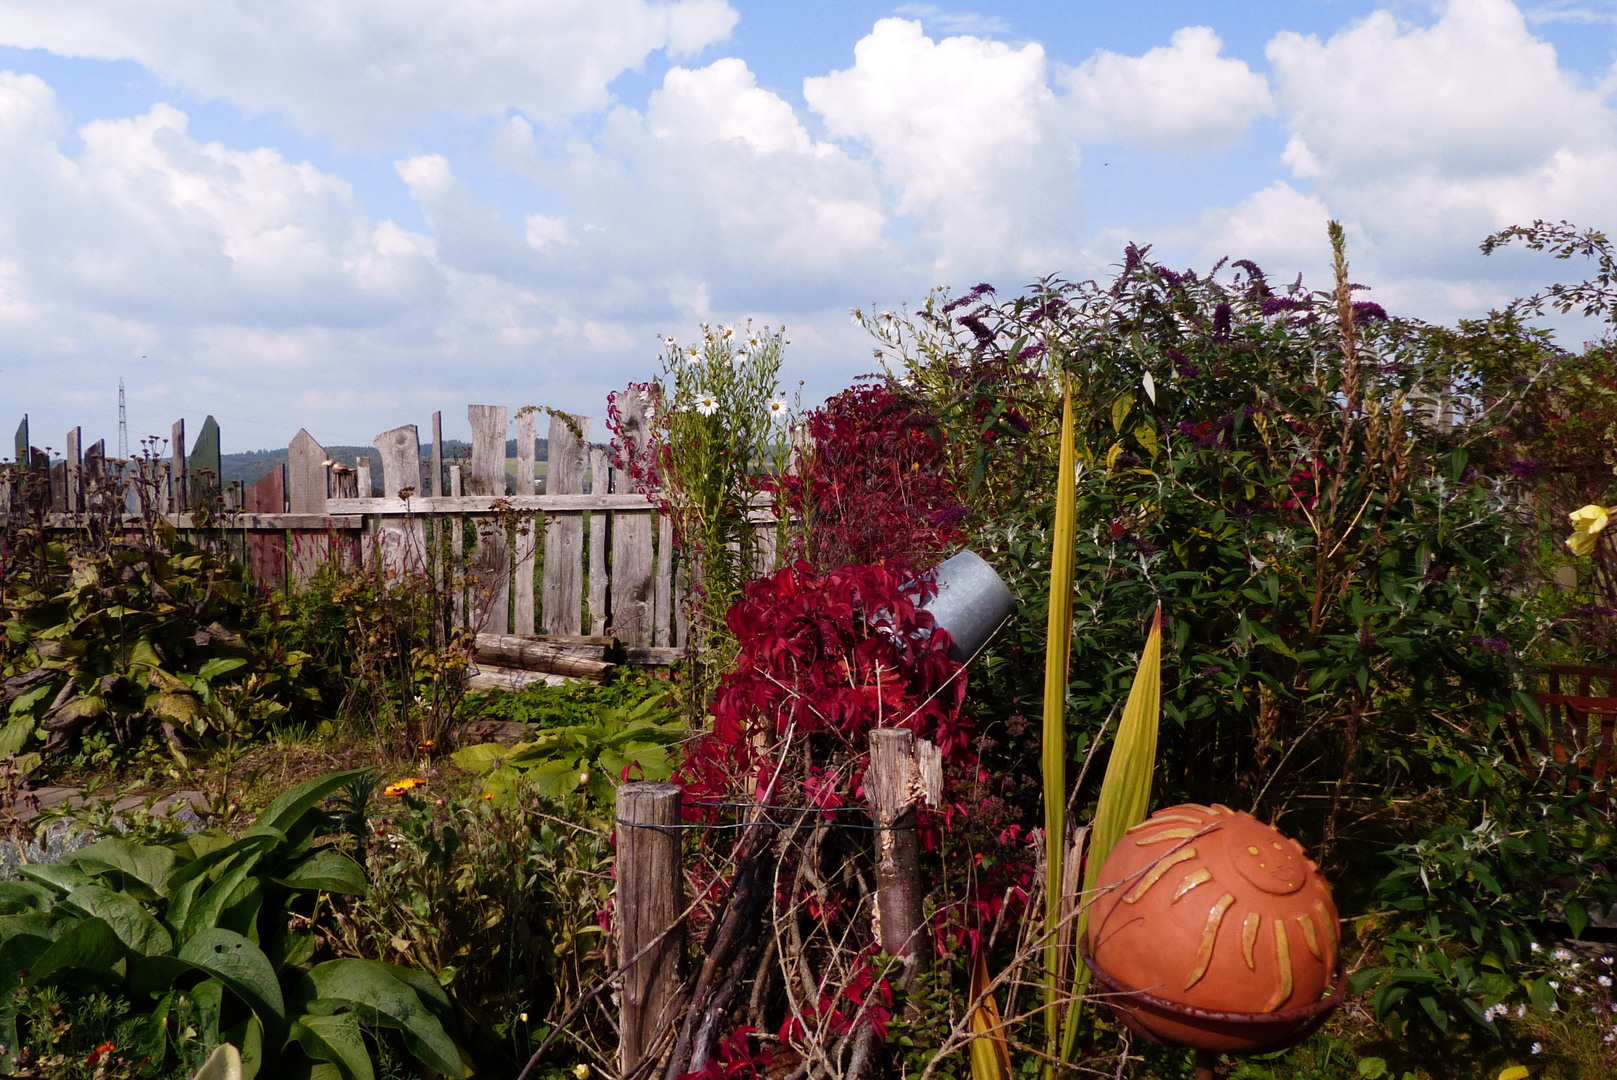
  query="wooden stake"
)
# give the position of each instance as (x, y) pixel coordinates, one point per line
(898, 852)
(650, 900)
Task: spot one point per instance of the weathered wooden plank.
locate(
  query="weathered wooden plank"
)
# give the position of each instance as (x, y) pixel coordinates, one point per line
(649, 913)
(401, 543)
(179, 483)
(564, 532)
(21, 443)
(205, 469)
(401, 462)
(664, 589)
(494, 677)
(365, 484)
(599, 541)
(306, 490)
(633, 581)
(490, 574)
(266, 551)
(482, 504)
(510, 650)
(457, 556)
(527, 537)
(92, 480)
(75, 469)
(652, 656)
(59, 487)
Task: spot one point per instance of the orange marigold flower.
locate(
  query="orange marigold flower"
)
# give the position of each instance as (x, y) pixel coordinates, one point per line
(409, 783)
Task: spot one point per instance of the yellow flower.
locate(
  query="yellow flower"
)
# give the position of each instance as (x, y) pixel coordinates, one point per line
(582, 1072)
(409, 783)
(1587, 524)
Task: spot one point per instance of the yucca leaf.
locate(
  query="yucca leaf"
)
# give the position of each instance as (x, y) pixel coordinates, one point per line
(1057, 654)
(1125, 793)
(990, 1052)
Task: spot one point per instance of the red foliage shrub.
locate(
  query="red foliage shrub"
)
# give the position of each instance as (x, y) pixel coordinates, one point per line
(873, 488)
(828, 657)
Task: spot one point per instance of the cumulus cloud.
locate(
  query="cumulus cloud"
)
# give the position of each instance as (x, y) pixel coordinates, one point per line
(968, 132)
(357, 68)
(1182, 96)
(1475, 92)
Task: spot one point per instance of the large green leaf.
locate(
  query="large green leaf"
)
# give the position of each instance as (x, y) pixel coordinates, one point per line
(378, 997)
(205, 911)
(148, 864)
(127, 916)
(285, 811)
(17, 897)
(87, 949)
(244, 969)
(328, 870)
(256, 840)
(336, 1039)
(59, 876)
(479, 758)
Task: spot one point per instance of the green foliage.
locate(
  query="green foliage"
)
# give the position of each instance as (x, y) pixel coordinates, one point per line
(113, 635)
(217, 931)
(630, 742)
(497, 900)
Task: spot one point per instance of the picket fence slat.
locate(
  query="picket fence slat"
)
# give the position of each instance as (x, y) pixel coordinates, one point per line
(600, 533)
(527, 536)
(564, 530)
(493, 559)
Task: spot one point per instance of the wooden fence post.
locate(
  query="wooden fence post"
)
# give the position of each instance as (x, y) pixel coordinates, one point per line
(650, 900)
(888, 783)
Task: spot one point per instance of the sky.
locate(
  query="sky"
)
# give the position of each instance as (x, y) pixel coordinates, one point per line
(344, 215)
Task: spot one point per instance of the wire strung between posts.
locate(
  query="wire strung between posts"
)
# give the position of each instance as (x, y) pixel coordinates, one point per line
(801, 810)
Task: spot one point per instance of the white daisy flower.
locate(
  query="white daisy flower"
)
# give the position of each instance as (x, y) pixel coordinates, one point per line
(777, 407)
(1538, 1048)
(707, 404)
(1603, 980)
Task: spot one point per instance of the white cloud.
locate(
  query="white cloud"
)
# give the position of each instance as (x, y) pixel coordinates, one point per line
(360, 68)
(1475, 92)
(968, 131)
(1279, 228)
(1182, 96)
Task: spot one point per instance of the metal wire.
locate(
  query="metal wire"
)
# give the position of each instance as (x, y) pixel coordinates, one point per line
(803, 810)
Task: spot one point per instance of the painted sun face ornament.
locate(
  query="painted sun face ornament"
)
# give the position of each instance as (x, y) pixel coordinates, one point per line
(1214, 930)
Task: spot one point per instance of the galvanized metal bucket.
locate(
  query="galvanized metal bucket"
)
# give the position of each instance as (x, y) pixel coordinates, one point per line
(972, 602)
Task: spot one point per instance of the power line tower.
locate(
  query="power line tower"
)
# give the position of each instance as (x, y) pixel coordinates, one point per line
(123, 424)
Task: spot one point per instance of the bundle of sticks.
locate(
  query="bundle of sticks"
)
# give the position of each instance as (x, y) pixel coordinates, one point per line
(513, 661)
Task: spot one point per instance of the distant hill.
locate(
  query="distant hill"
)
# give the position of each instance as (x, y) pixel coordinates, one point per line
(251, 466)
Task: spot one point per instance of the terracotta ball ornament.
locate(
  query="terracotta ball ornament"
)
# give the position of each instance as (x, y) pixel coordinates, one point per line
(1213, 930)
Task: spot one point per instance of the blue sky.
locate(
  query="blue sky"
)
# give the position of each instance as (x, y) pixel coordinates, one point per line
(344, 215)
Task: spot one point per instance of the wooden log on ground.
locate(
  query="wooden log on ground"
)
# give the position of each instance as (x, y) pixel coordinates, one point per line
(650, 901)
(583, 658)
(495, 677)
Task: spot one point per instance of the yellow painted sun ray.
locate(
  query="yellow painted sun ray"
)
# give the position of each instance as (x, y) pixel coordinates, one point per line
(1204, 954)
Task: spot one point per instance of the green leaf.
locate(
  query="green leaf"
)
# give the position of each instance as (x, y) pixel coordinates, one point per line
(1121, 409)
(1434, 1011)
(16, 734)
(327, 870)
(244, 969)
(336, 1039)
(89, 948)
(128, 918)
(148, 864)
(479, 758)
(1364, 979)
(372, 990)
(204, 912)
(17, 897)
(285, 811)
(1576, 917)
(1372, 1068)
(59, 876)
(220, 665)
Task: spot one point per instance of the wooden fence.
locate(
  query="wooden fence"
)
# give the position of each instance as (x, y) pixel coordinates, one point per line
(573, 554)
